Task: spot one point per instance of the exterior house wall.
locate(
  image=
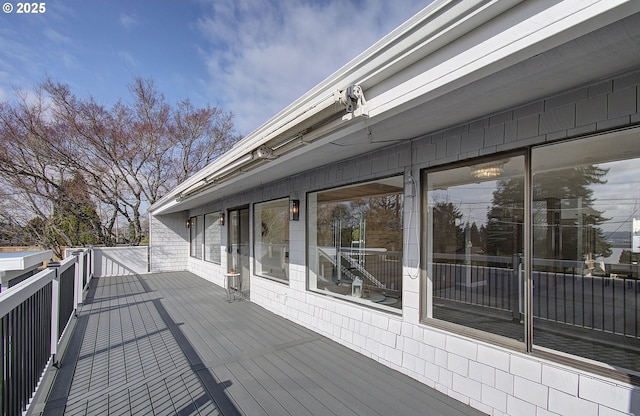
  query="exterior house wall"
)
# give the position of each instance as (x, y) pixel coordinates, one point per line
(488, 377)
(169, 242)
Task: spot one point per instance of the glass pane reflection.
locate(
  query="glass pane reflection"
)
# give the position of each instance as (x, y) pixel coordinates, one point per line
(475, 244)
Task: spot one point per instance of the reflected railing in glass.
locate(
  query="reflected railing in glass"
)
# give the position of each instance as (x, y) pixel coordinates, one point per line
(380, 272)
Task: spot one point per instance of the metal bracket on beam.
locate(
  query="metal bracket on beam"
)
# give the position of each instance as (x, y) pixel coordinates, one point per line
(355, 102)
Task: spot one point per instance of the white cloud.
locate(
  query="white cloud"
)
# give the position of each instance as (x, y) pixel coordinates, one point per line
(55, 36)
(265, 54)
(128, 21)
(127, 59)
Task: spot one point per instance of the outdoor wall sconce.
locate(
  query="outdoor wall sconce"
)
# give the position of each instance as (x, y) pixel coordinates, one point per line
(187, 223)
(294, 210)
(222, 219)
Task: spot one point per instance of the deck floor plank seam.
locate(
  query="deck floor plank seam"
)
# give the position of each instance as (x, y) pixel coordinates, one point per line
(164, 344)
(287, 381)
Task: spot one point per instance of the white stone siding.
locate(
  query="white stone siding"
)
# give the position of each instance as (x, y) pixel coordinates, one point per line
(169, 242)
(491, 378)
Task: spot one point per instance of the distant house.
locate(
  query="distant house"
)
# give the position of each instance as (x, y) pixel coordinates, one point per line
(444, 204)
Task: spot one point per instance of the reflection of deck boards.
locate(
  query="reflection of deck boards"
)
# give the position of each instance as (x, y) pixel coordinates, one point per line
(615, 350)
(169, 344)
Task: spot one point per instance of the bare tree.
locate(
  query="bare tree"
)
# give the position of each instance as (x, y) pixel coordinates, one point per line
(128, 155)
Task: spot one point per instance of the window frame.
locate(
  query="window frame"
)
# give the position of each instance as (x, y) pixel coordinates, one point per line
(216, 244)
(309, 216)
(600, 364)
(426, 295)
(607, 141)
(196, 236)
(286, 246)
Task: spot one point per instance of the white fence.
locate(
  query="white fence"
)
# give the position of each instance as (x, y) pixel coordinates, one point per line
(118, 261)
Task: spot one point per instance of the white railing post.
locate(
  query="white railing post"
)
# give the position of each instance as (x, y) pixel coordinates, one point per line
(92, 263)
(77, 287)
(55, 310)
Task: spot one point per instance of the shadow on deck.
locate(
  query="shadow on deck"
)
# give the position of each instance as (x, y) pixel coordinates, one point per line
(169, 344)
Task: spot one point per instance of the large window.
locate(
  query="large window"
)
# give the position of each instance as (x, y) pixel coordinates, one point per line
(271, 239)
(586, 248)
(212, 237)
(195, 237)
(566, 270)
(474, 229)
(355, 242)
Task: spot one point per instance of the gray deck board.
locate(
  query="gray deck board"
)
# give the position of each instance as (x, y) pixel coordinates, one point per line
(169, 344)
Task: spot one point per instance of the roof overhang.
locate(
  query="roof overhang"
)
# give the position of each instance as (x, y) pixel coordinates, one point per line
(453, 62)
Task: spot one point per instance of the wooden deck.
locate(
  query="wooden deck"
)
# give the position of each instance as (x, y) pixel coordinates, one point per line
(169, 344)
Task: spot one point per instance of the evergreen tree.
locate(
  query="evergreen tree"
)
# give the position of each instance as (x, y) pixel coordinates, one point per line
(566, 224)
(74, 222)
(505, 218)
(448, 230)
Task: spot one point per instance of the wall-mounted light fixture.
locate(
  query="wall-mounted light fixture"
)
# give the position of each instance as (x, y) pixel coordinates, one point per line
(221, 219)
(187, 223)
(294, 210)
(488, 170)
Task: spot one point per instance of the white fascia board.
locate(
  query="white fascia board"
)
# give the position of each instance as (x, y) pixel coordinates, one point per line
(276, 126)
(427, 32)
(526, 38)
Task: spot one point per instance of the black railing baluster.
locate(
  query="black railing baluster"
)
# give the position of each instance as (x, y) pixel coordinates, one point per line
(602, 308)
(583, 302)
(573, 297)
(624, 307)
(636, 292)
(546, 312)
(13, 319)
(5, 366)
(593, 303)
(483, 295)
(564, 297)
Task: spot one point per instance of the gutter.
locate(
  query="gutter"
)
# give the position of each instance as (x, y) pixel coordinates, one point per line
(291, 128)
(345, 105)
(436, 25)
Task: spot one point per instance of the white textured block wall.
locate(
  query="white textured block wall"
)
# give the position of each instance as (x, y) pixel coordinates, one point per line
(493, 379)
(169, 242)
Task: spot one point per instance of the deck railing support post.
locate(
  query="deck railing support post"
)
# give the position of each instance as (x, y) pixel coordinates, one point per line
(55, 310)
(78, 275)
(91, 259)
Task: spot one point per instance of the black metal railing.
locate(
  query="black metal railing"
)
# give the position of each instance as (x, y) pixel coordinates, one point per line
(21, 278)
(569, 294)
(25, 346)
(66, 304)
(377, 269)
(33, 315)
(493, 287)
(601, 303)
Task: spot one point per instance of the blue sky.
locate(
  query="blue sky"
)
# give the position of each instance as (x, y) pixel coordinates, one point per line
(250, 57)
